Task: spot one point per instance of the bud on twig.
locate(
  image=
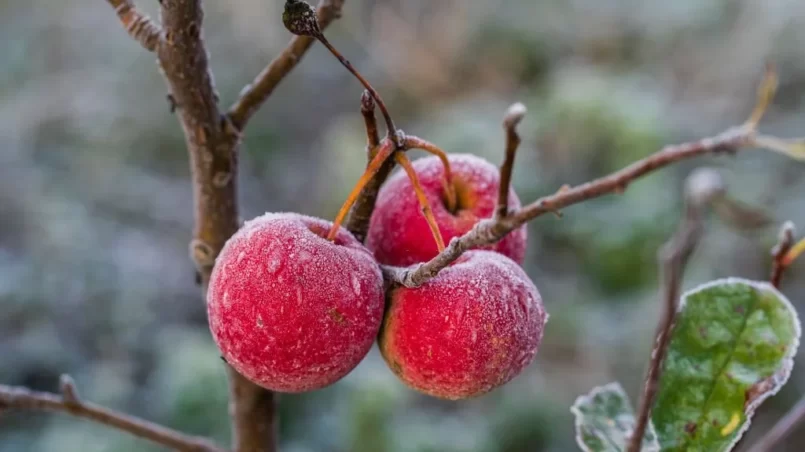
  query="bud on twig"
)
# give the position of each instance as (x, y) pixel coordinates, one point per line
(300, 19)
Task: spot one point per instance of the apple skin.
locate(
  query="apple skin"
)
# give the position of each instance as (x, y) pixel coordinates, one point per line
(469, 330)
(398, 233)
(288, 309)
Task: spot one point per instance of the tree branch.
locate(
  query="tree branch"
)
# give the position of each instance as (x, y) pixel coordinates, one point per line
(358, 221)
(254, 94)
(212, 143)
(139, 26)
(785, 242)
(491, 230)
(370, 121)
(514, 115)
(702, 186)
(18, 398)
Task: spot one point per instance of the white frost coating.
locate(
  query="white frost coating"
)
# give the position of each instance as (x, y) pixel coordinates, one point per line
(587, 399)
(781, 377)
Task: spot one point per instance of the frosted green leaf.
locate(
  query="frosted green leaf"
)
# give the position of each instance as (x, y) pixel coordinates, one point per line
(605, 420)
(731, 348)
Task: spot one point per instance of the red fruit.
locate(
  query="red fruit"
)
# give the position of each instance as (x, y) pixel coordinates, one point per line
(472, 328)
(398, 233)
(290, 310)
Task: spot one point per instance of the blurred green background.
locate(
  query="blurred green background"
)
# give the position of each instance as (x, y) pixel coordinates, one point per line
(96, 210)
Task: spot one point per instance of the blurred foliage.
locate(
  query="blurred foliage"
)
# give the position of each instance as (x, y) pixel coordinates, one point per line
(96, 203)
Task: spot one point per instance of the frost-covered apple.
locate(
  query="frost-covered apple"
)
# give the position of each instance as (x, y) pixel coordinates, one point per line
(469, 330)
(290, 310)
(398, 233)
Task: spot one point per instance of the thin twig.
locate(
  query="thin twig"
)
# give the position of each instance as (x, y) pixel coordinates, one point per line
(392, 129)
(358, 221)
(19, 398)
(781, 429)
(414, 142)
(514, 115)
(701, 188)
(785, 242)
(427, 211)
(139, 26)
(491, 230)
(369, 120)
(256, 93)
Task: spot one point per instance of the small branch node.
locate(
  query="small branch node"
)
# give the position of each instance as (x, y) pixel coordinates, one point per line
(139, 26)
(68, 390)
(202, 254)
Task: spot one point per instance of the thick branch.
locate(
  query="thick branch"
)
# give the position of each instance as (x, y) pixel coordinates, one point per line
(140, 27)
(18, 398)
(254, 94)
(369, 120)
(489, 231)
(212, 143)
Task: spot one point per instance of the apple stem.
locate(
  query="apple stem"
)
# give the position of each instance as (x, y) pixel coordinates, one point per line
(414, 142)
(384, 150)
(514, 115)
(427, 212)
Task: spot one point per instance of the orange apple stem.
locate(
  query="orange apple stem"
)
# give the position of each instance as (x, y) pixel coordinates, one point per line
(427, 212)
(385, 149)
(413, 142)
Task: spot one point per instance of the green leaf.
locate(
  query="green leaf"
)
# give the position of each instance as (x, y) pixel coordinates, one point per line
(731, 348)
(605, 420)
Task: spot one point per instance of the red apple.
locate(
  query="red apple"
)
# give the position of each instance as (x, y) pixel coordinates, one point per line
(469, 330)
(398, 233)
(290, 310)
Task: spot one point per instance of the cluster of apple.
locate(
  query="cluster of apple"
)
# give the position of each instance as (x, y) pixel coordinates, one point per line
(295, 303)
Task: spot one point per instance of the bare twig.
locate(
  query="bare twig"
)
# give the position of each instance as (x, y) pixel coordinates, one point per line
(358, 221)
(302, 20)
(489, 231)
(138, 26)
(18, 398)
(256, 93)
(514, 115)
(781, 429)
(384, 111)
(785, 242)
(701, 188)
(369, 120)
